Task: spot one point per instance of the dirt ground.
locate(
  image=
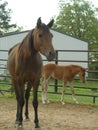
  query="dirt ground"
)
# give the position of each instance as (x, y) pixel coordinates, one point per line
(53, 116)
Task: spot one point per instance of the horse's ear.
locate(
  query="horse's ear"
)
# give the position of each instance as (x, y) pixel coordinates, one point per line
(39, 22)
(50, 23)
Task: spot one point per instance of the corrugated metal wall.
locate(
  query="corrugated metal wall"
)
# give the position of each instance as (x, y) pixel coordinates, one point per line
(60, 41)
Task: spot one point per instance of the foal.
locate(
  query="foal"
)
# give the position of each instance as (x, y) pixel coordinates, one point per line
(63, 73)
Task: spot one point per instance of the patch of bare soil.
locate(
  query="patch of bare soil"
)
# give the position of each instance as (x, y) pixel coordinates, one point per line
(53, 116)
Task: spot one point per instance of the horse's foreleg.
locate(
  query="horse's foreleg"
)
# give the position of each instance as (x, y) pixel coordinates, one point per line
(73, 94)
(27, 94)
(63, 92)
(46, 96)
(21, 102)
(35, 105)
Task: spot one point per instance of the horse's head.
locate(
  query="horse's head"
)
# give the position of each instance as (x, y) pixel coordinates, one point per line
(82, 74)
(43, 39)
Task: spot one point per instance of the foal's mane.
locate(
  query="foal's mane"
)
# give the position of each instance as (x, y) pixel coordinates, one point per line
(76, 66)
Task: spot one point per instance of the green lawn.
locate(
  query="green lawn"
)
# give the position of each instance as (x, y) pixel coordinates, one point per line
(56, 97)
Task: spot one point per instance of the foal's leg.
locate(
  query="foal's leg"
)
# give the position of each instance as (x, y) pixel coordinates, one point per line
(63, 92)
(27, 94)
(44, 91)
(73, 94)
(35, 104)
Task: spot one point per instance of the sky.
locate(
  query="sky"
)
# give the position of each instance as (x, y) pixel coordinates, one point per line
(26, 12)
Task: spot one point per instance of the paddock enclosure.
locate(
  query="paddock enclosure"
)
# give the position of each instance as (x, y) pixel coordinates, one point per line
(52, 116)
(69, 50)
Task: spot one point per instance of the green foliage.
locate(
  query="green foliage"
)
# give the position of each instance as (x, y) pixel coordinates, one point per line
(94, 67)
(5, 20)
(78, 18)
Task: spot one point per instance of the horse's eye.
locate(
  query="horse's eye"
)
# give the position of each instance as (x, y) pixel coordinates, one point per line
(40, 35)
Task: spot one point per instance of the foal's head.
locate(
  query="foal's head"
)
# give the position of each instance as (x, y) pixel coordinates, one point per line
(82, 74)
(43, 39)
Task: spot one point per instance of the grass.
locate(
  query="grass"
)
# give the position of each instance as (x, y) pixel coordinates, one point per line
(56, 97)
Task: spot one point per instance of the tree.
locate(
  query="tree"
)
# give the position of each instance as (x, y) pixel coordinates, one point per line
(78, 18)
(5, 20)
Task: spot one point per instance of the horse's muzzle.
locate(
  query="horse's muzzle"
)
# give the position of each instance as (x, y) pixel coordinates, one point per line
(50, 55)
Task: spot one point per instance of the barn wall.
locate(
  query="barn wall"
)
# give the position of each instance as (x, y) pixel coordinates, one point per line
(60, 42)
(65, 42)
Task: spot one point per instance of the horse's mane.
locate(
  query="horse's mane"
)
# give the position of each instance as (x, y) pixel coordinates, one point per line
(30, 42)
(29, 38)
(12, 48)
(76, 65)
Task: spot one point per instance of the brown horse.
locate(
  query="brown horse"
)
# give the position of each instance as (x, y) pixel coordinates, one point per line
(25, 65)
(63, 73)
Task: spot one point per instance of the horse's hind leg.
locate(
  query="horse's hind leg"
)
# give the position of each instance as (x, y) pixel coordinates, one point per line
(73, 94)
(14, 83)
(17, 114)
(27, 94)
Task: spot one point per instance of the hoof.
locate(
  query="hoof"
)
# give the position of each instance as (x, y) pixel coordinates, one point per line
(63, 103)
(48, 101)
(27, 119)
(76, 102)
(16, 122)
(43, 102)
(37, 126)
(20, 128)
(20, 125)
(37, 129)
